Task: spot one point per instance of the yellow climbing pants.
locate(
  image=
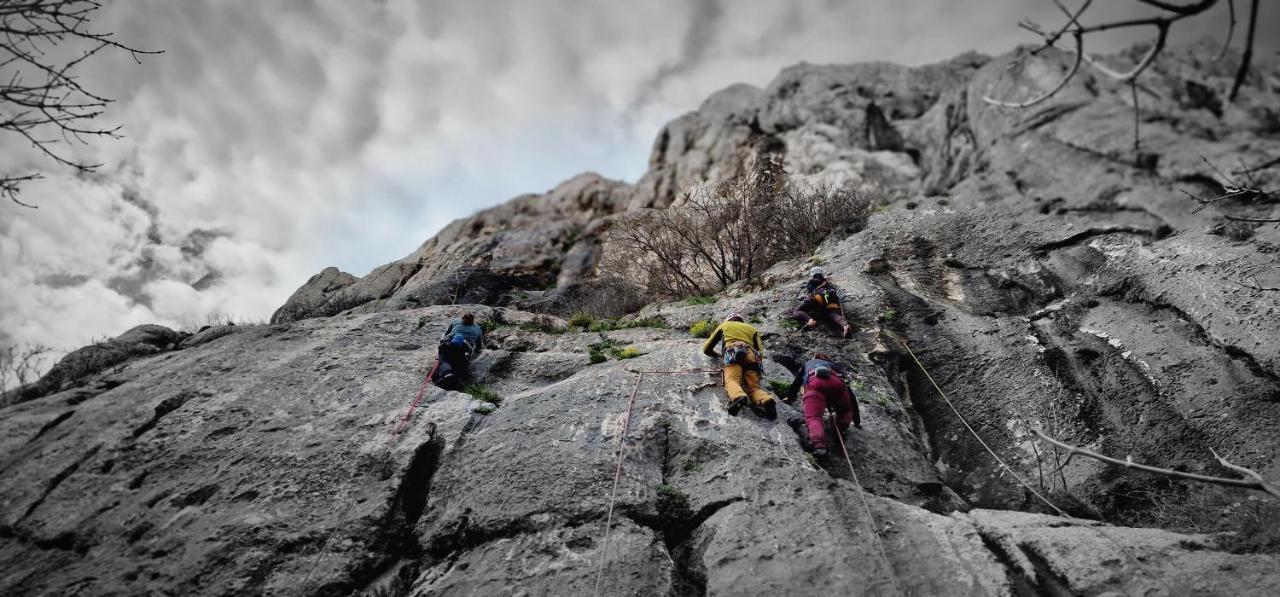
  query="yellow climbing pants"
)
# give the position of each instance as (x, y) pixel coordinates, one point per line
(742, 378)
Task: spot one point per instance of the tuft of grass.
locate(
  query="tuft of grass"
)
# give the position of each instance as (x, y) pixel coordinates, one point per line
(422, 321)
(543, 324)
(701, 300)
(702, 328)
(780, 386)
(482, 393)
(629, 352)
(755, 320)
(888, 315)
(597, 357)
(691, 466)
(581, 320)
(489, 325)
(790, 324)
(672, 503)
(857, 385)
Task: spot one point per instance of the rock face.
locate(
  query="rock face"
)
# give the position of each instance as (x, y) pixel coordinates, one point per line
(1029, 263)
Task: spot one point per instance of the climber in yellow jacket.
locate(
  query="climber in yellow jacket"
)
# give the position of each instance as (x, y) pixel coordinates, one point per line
(743, 355)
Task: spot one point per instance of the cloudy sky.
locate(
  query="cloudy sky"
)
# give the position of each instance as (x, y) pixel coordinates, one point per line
(272, 139)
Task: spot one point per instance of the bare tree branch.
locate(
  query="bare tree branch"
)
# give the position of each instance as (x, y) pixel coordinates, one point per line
(41, 99)
(1254, 482)
(1247, 58)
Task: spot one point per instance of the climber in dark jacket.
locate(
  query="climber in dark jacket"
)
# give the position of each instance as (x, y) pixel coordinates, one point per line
(463, 341)
(824, 387)
(820, 297)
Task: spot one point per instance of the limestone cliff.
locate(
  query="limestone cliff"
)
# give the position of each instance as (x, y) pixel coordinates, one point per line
(1045, 276)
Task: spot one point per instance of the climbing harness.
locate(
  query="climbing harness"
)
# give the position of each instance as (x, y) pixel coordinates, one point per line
(395, 431)
(866, 506)
(617, 471)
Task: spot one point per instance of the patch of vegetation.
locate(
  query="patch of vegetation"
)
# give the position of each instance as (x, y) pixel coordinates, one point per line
(672, 503)
(857, 385)
(755, 320)
(702, 328)
(589, 323)
(888, 315)
(811, 459)
(482, 393)
(780, 386)
(790, 324)
(608, 346)
(701, 300)
(489, 325)
(572, 238)
(422, 321)
(691, 466)
(543, 324)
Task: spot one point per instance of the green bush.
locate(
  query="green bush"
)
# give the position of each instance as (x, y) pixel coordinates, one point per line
(489, 325)
(597, 357)
(482, 393)
(691, 465)
(701, 300)
(604, 325)
(543, 324)
(702, 328)
(755, 320)
(672, 503)
(780, 386)
(581, 320)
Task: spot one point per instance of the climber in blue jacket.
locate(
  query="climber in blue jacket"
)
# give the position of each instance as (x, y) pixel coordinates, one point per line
(463, 341)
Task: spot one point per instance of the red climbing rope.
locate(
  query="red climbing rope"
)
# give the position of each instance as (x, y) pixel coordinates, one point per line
(408, 414)
(395, 430)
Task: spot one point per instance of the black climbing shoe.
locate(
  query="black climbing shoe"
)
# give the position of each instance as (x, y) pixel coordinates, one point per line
(771, 410)
(736, 405)
(819, 453)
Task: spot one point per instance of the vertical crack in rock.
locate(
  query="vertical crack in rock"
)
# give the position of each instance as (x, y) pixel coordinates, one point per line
(393, 567)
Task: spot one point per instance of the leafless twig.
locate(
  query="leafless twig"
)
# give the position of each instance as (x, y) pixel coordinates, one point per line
(1162, 24)
(41, 99)
(1253, 480)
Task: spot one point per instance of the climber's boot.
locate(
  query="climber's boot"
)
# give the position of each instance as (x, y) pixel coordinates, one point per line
(771, 410)
(736, 405)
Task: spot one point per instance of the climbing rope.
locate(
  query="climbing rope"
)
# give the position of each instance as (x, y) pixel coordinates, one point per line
(617, 471)
(952, 406)
(866, 506)
(1133, 560)
(396, 429)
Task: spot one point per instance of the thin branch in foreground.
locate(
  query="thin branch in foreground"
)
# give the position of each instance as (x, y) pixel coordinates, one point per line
(1253, 480)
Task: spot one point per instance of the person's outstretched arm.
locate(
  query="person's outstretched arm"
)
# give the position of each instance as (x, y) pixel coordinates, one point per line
(709, 347)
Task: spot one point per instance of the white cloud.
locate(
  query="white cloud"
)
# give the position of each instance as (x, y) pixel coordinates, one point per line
(275, 138)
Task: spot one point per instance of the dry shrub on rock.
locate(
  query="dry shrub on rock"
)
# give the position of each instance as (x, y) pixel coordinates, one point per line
(729, 232)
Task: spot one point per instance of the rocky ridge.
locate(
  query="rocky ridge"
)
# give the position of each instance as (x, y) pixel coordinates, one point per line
(1044, 275)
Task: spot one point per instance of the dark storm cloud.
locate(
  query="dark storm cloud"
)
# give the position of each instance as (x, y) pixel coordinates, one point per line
(346, 132)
